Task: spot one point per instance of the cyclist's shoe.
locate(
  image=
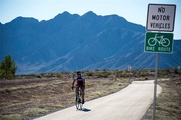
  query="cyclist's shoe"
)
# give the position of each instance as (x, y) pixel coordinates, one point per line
(82, 101)
(79, 100)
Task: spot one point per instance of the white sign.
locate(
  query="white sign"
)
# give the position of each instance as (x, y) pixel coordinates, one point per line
(161, 17)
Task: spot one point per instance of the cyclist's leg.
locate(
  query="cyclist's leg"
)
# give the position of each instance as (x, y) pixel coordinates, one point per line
(83, 91)
(77, 89)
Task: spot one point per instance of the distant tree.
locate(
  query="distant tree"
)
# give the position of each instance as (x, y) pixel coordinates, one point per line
(7, 68)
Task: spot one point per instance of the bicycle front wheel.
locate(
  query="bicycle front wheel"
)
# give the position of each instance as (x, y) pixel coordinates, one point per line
(78, 102)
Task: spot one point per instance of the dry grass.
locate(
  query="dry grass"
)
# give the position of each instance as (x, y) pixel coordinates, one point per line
(36, 95)
(30, 98)
(169, 101)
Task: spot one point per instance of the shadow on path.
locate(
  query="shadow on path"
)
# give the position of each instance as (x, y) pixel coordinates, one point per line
(85, 110)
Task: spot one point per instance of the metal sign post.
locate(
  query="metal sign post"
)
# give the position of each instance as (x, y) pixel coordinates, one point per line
(155, 85)
(160, 17)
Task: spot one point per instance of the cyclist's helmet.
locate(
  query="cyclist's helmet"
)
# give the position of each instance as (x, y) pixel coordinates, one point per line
(78, 72)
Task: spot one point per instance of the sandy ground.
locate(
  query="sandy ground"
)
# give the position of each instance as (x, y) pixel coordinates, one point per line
(130, 103)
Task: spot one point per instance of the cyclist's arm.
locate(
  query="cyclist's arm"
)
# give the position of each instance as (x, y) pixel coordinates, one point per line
(83, 77)
(74, 80)
(83, 80)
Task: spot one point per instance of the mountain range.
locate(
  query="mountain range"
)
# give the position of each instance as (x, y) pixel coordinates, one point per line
(70, 42)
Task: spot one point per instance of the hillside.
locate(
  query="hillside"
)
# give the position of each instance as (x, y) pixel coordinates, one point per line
(70, 42)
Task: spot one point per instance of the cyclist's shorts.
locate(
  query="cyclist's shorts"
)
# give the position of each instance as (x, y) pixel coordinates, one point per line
(80, 83)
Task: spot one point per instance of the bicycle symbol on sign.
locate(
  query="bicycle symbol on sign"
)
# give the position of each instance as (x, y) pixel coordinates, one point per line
(163, 41)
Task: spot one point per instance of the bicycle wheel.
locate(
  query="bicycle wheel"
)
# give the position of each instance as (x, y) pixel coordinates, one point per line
(152, 42)
(80, 98)
(78, 101)
(165, 42)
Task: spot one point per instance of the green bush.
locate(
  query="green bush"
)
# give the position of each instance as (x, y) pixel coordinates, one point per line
(103, 74)
(90, 74)
(7, 68)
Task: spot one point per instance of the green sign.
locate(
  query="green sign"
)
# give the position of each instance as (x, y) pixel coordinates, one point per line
(158, 42)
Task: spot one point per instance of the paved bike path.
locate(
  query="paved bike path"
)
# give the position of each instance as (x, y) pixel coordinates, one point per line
(130, 103)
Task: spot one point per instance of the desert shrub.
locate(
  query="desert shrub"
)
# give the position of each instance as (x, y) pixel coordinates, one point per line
(90, 74)
(121, 74)
(49, 75)
(102, 74)
(59, 76)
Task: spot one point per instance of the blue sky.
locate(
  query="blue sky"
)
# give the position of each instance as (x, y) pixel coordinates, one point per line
(132, 10)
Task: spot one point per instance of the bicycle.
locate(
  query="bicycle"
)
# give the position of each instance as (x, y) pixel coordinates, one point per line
(78, 99)
(163, 41)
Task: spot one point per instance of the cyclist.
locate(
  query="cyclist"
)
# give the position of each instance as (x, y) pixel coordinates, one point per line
(80, 81)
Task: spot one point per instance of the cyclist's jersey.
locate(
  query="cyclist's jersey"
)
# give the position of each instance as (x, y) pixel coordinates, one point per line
(79, 81)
